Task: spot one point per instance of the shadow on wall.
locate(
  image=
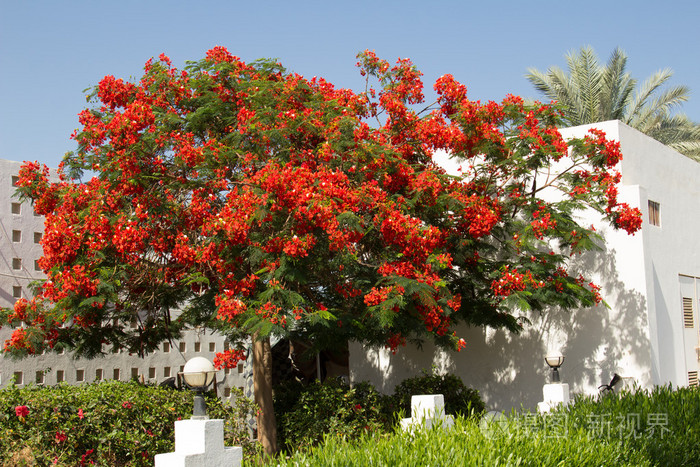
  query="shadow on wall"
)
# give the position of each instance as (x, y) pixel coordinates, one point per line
(509, 369)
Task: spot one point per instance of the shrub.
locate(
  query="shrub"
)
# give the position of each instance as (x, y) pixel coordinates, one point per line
(306, 414)
(109, 423)
(459, 399)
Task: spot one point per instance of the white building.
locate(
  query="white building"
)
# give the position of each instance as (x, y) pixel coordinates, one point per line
(20, 234)
(651, 282)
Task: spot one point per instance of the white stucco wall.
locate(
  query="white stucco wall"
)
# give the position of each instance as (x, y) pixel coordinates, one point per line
(641, 335)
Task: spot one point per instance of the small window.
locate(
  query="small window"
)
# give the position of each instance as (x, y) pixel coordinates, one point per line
(197, 346)
(18, 377)
(17, 291)
(16, 208)
(166, 372)
(16, 236)
(79, 376)
(15, 180)
(60, 376)
(151, 373)
(116, 374)
(166, 347)
(693, 378)
(227, 392)
(226, 345)
(688, 314)
(16, 263)
(240, 368)
(99, 374)
(212, 346)
(36, 265)
(183, 347)
(134, 322)
(134, 373)
(39, 377)
(37, 237)
(654, 213)
(182, 368)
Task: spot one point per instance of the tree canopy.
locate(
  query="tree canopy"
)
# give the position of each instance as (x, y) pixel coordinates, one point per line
(591, 92)
(257, 202)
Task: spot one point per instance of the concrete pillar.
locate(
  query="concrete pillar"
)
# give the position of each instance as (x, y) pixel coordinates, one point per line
(554, 394)
(427, 410)
(200, 443)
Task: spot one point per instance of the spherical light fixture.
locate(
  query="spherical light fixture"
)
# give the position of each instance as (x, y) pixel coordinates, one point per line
(198, 374)
(554, 360)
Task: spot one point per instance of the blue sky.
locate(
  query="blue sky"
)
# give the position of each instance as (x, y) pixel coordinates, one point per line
(50, 51)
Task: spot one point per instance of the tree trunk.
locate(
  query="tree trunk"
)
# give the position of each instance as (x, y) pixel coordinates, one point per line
(262, 381)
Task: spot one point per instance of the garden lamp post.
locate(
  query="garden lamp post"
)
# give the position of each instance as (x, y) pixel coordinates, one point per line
(198, 374)
(555, 360)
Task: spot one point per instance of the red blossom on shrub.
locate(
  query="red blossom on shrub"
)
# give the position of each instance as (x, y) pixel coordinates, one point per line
(60, 437)
(22, 411)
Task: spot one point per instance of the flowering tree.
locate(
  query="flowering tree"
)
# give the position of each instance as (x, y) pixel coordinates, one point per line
(257, 202)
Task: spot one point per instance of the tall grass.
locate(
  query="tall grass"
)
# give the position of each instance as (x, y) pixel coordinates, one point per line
(663, 423)
(511, 443)
(660, 427)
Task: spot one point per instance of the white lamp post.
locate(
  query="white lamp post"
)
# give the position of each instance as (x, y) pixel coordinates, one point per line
(555, 360)
(198, 375)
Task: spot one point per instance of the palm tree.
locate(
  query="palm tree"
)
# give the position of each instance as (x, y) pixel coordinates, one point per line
(594, 93)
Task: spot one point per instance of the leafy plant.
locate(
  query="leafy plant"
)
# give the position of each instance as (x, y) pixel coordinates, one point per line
(109, 423)
(459, 399)
(306, 414)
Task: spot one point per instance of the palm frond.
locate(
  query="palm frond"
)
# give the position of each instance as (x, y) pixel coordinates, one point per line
(591, 93)
(617, 87)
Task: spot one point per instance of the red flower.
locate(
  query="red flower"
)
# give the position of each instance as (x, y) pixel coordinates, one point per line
(60, 437)
(80, 414)
(22, 411)
(84, 458)
(126, 404)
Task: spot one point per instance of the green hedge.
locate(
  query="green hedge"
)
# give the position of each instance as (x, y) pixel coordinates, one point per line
(459, 399)
(108, 423)
(305, 414)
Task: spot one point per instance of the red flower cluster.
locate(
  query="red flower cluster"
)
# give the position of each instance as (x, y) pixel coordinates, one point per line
(513, 281)
(228, 359)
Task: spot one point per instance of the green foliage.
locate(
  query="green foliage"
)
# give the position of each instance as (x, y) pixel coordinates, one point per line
(111, 423)
(468, 444)
(662, 423)
(591, 92)
(640, 428)
(459, 399)
(306, 413)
